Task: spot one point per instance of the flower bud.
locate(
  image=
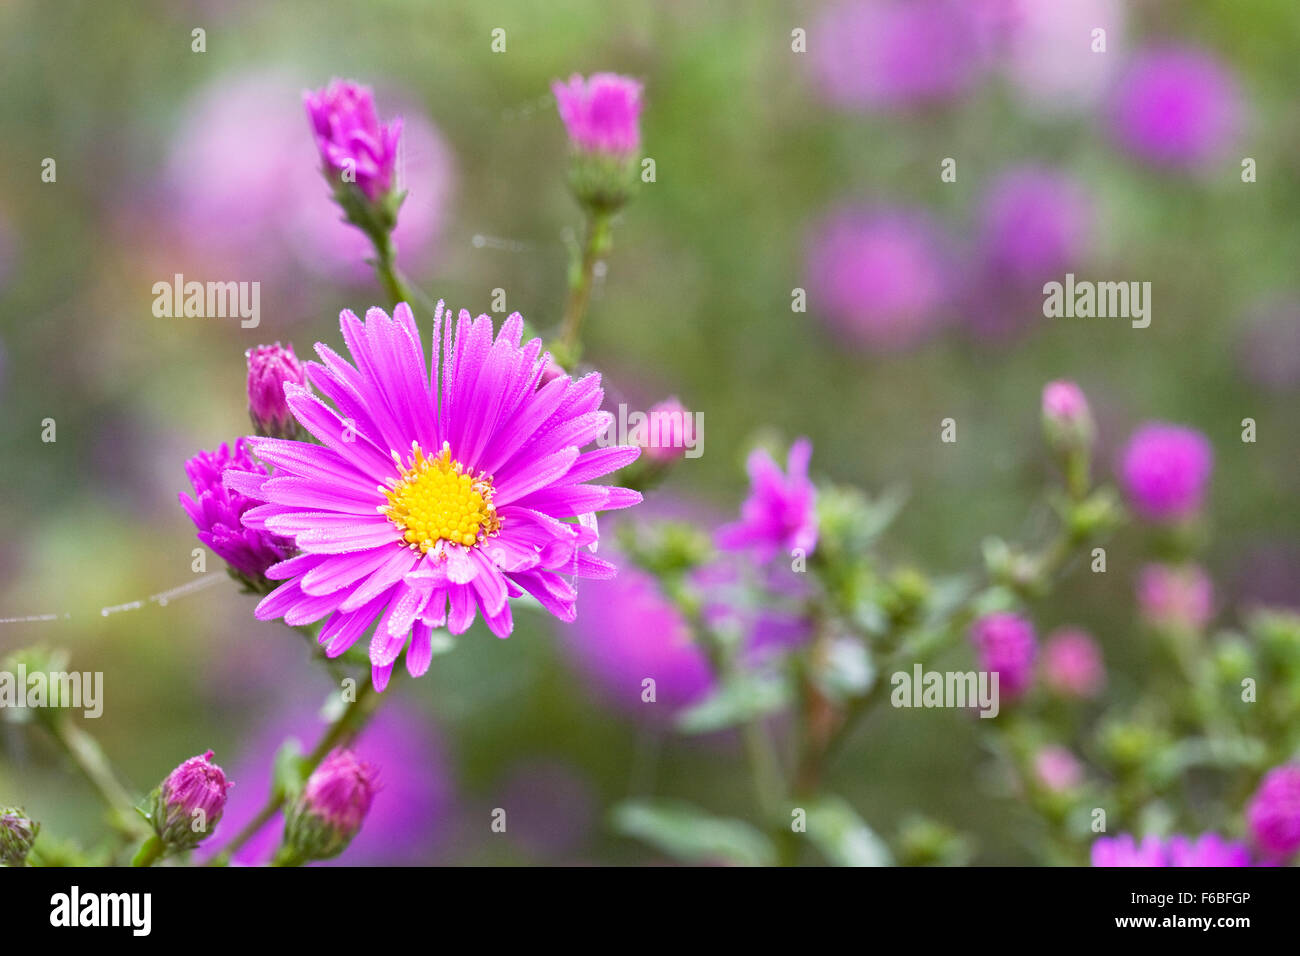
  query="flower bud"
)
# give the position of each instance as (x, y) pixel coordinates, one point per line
(602, 116)
(187, 806)
(1165, 470)
(269, 367)
(1057, 769)
(1006, 645)
(17, 834)
(1072, 665)
(668, 433)
(1067, 419)
(354, 147)
(330, 810)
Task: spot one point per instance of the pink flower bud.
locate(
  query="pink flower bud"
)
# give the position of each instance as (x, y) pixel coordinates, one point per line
(669, 431)
(601, 113)
(1165, 470)
(331, 808)
(269, 367)
(353, 145)
(1057, 769)
(1006, 646)
(1179, 598)
(188, 805)
(1067, 418)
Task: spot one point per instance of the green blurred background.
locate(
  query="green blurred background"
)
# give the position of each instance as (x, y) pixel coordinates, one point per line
(696, 303)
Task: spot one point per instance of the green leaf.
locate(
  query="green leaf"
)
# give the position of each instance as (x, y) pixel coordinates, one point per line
(842, 837)
(738, 700)
(687, 833)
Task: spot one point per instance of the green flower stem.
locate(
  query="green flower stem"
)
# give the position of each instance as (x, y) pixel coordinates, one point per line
(581, 277)
(150, 853)
(348, 725)
(90, 759)
(385, 263)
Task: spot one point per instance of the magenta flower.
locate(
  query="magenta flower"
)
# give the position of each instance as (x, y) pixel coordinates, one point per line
(1057, 769)
(1176, 106)
(1034, 223)
(629, 633)
(269, 367)
(1072, 664)
(1122, 850)
(1046, 49)
(1165, 470)
(1274, 811)
(1206, 850)
(218, 512)
(331, 808)
(601, 113)
(1177, 597)
(352, 143)
(1209, 849)
(393, 534)
(1006, 645)
(894, 55)
(780, 514)
(188, 804)
(880, 277)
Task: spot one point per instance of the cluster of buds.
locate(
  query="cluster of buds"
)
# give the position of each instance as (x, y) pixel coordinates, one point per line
(187, 806)
(330, 810)
(602, 115)
(17, 834)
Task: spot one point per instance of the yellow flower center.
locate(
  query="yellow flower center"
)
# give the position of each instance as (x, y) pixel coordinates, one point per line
(434, 499)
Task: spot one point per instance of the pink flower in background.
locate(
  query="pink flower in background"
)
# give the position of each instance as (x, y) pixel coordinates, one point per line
(1175, 596)
(780, 514)
(602, 113)
(1006, 645)
(1165, 470)
(244, 193)
(894, 54)
(1209, 849)
(269, 367)
(880, 277)
(1274, 811)
(670, 429)
(1176, 107)
(218, 511)
(432, 500)
(1057, 769)
(1046, 50)
(1034, 224)
(350, 138)
(628, 633)
(1072, 664)
(1122, 850)
(410, 808)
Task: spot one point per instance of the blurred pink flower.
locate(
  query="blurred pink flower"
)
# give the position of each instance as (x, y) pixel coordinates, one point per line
(1274, 811)
(1046, 50)
(1179, 597)
(894, 54)
(1006, 645)
(780, 514)
(880, 277)
(1057, 769)
(602, 113)
(1165, 470)
(1072, 664)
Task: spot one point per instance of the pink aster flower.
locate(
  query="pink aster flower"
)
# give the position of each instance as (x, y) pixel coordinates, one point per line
(1176, 106)
(350, 138)
(880, 277)
(1274, 811)
(1006, 646)
(218, 511)
(1165, 470)
(1123, 850)
(894, 54)
(189, 803)
(602, 113)
(780, 513)
(433, 498)
(1179, 597)
(1072, 665)
(269, 367)
(1209, 849)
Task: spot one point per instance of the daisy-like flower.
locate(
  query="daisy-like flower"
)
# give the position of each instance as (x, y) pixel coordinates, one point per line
(432, 498)
(780, 513)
